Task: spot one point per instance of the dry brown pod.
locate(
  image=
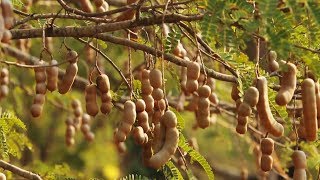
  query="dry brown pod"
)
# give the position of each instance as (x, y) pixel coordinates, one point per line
(193, 70)
(139, 136)
(91, 100)
(251, 96)
(204, 91)
(7, 13)
(192, 85)
(98, 3)
(299, 174)
(72, 56)
(241, 129)
(273, 65)
(36, 110)
(244, 109)
(309, 105)
(287, 85)
(66, 83)
(157, 94)
(155, 77)
(86, 6)
(128, 119)
(266, 118)
(103, 83)
(148, 99)
(143, 120)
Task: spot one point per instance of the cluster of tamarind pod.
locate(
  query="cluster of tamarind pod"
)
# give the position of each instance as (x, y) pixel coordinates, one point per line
(6, 21)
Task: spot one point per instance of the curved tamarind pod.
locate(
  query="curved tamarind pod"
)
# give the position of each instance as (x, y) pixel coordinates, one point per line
(52, 76)
(66, 83)
(105, 6)
(7, 13)
(301, 130)
(266, 162)
(299, 174)
(309, 109)
(267, 146)
(318, 102)
(264, 111)
(299, 159)
(170, 145)
(91, 100)
(288, 85)
(235, 92)
(251, 96)
(103, 83)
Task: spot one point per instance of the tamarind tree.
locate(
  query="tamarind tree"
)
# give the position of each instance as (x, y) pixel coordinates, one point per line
(159, 89)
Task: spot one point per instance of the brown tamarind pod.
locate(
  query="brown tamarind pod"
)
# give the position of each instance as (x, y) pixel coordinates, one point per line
(317, 86)
(203, 103)
(264, 111)
(267, 146)
(266, 162)
(39, 99)
(91, 100)
(4, 91)
(155, 77)
(52, 76)
(242, 120)
(287, 85)
(2, 28)
(146, 88)
(273, 65)
(162, 104)
(148, 99)
(193, 70)
(299, 174)
(70, 131)
(244, 109)
(309, 105)
(139, 136)
(89, 136)
(86, 6)
(299, 159)
(235, 92)
(85, 118)
(103, 83)
(72, 56)
(193, 105)
(143, 120)
(157, 94)
(192, 85)
(85, 128)
(105, 6)
(106, 108)
(203, 121)
(66, 83)
(98, 3)
(204, 91)
(251, 96)
(7, 13)
(129, 112)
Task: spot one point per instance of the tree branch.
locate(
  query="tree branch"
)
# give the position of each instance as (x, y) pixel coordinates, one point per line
(91, 31)
(169, 57)
(21, 172)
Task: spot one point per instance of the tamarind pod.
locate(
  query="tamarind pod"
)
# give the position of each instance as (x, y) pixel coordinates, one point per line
(168, 149)
(235, 92)
(201, 79)
(273, 66)
(125, 127)
(272, 56)
(251, 96)
(266, 162)
(241, 129)
(75, 103)
(157, 94)
(77, 122)
(299, 159)
(4, 91)
(143, 120)
(299, 174)
(204, 91)
(264, 111)
(106, 107)
(103, 83)
(91, 100)
(238, 103)
(162, 104)
(36, 110)
(288, 85)
(4, 80)
(7, 13)
(85, 118)
(156, 116)
(193, 70)
(70, 131)
(69, 121)
(106, 97)
(309, 109)
(242, 120)
(192, 85)
(169, 118)
(145, 74)
(139, 135)
(140, 105)
(203, 121)
(155, 78)
(318, 102)
(267, 146)
(193, 105)
(52, 76)
(177, 51)
(105, 5)
(65, 85)
(6, 36)
(203, 103)
(244, 109)
(129, 112)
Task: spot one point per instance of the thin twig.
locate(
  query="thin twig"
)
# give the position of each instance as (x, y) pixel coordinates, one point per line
(19, 171)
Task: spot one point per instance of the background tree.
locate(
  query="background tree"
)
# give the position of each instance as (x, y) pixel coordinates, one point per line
(193, 88)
